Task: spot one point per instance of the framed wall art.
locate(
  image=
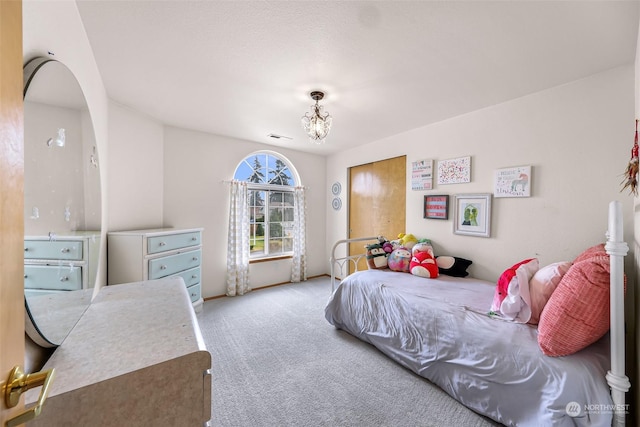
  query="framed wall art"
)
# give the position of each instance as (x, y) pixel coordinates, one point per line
(512, 182)
(472, 215)
(454, 171)
(422, 174)
(436, 206)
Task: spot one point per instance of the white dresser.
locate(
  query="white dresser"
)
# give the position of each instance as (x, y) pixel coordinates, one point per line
(60, 263)
(139, 255)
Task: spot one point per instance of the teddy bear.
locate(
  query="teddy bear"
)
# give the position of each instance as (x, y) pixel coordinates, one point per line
(423, 264)
(399, 259)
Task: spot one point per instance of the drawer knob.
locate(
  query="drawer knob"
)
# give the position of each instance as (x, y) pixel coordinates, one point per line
(163, 244)
(64, 279)
(25, 276)
(194, 238)
(163, 267)
(193, 277)
(65, 250)
(195, 258)
(26, 249)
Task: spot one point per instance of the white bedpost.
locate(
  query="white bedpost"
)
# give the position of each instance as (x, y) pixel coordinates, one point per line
(617, 249)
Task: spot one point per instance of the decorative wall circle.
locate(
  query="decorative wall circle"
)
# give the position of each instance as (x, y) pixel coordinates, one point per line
(336, 203)
(336, 188)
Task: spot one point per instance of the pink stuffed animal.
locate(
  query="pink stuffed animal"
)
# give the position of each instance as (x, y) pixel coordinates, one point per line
(399, 260)
(424, 265)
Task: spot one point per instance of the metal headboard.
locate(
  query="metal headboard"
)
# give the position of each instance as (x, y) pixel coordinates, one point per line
(343, 263)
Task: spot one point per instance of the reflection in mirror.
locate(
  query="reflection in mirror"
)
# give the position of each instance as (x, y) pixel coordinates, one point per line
(62, 201)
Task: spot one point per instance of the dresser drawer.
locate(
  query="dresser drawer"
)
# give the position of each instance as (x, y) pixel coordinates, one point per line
(52, 277)
(172, 241)
(194, 292)
(172, 264)
(190, 277)
(53, 249)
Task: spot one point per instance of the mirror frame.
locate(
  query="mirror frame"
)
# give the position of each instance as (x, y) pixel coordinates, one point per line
(36, 333)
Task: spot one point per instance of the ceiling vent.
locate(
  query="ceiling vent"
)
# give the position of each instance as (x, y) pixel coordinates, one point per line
(276, 136)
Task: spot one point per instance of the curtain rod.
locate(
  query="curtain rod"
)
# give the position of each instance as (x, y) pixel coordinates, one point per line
(229, 181)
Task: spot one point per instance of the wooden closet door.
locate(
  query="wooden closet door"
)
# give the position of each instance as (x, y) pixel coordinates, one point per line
(377, 201)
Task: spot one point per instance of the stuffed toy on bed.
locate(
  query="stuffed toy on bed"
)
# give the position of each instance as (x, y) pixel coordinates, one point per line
(376, 256)
(386, 245)
(423, 265)
(423, 245)
(407, 240)
(453, 265)
(399, 260)
(512, 298)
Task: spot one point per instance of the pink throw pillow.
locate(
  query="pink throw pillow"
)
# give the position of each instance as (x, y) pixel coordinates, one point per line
(597, 250)
(577, 314)
(542, 285)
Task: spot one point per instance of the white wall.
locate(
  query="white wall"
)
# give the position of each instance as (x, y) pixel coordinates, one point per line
(576, 137)
(136, 175)
(195, 166)
(55, 26)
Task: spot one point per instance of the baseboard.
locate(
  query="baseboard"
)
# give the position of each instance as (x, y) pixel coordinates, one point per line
(269, 286)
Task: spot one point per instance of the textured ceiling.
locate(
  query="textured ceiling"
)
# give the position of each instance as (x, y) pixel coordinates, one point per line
(245, 68)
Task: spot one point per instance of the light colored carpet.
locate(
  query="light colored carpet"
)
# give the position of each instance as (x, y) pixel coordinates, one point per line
(278, 362)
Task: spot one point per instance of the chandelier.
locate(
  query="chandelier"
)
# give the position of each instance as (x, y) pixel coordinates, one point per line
(317, 125)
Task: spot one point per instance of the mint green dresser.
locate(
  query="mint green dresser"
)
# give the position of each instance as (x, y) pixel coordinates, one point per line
(60, 263)
(139, 255)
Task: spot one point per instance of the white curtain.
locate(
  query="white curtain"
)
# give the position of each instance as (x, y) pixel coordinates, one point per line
(299, 267)
(238, 247)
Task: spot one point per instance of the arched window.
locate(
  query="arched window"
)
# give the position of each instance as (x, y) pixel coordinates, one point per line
(271, 180)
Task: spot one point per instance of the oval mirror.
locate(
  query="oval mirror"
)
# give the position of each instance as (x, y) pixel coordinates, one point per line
(62, 201)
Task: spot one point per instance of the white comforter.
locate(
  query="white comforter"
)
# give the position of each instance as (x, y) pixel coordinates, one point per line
(440, 329)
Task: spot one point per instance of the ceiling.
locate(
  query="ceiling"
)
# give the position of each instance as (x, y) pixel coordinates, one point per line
(244, 69)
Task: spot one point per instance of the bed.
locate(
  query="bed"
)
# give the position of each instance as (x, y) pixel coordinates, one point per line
(440, 329)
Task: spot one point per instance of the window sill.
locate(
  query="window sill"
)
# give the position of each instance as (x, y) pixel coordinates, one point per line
(272, 258)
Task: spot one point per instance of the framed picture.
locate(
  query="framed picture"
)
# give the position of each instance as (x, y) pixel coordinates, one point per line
(436, 207)
(454, 171)
(422, 175)
(472, 215)
(512, 182)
